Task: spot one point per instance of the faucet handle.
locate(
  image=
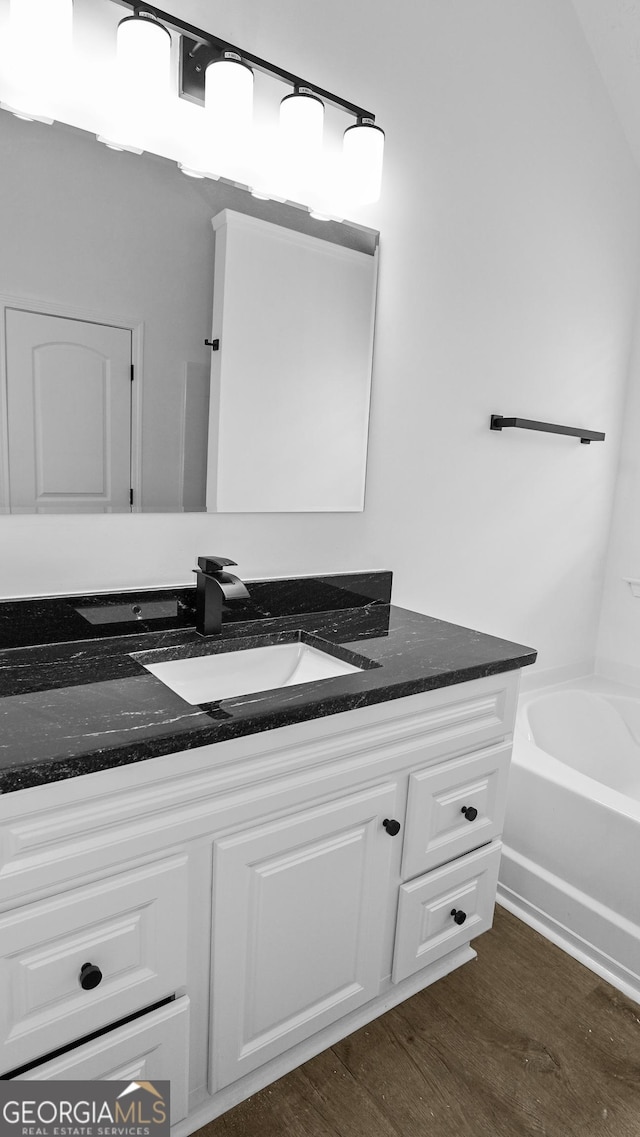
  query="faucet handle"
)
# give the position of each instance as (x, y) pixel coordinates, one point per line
(214, 564)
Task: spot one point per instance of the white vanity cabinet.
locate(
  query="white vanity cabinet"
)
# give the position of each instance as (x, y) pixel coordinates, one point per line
(249, 903)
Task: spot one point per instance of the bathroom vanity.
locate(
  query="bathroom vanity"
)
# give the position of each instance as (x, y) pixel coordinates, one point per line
(212, 893)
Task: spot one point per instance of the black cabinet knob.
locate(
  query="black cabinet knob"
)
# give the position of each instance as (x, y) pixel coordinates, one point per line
(90, 976)
(470, 812)
(459, 916)
(392, 827)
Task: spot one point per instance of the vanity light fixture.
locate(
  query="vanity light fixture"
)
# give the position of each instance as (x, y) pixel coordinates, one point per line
(363, 141)
(137, 108)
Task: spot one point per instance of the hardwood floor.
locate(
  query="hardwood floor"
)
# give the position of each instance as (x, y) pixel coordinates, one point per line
(522, 1041)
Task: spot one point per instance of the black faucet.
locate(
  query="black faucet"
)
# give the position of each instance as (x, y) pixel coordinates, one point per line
(214, 586)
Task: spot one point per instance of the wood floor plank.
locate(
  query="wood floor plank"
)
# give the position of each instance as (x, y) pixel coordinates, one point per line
(523, 1042)
(342, 1100)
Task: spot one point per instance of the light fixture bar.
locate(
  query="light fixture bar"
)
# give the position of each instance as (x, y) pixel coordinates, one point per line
(195, 42)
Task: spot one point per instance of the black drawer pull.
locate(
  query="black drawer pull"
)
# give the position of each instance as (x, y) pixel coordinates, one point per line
(90, 976)
(470, 812)
(459, 916)
(392, 827)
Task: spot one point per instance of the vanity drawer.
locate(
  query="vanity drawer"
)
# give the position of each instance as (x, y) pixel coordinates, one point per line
(131, 926)
(437, 829)
(426, 928)
(153, 1048)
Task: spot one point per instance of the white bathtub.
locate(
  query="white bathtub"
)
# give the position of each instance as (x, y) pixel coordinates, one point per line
(571, 860)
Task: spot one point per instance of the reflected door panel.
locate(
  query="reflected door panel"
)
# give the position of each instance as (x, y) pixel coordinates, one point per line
(290, 383)
(69, 412)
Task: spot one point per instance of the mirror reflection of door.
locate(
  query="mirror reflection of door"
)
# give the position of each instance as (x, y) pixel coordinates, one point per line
(69, 414)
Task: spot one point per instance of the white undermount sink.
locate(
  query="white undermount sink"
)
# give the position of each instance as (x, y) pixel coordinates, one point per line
(208, 678)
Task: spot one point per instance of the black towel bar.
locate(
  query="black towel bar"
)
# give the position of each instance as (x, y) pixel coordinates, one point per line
(498, 422)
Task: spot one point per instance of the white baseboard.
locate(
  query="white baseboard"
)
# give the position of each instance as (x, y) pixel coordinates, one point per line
(594, 935)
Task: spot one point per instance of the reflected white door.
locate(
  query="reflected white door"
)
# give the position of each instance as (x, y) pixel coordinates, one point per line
(69, 414)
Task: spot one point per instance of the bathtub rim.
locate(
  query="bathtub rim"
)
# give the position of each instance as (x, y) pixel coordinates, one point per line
(531, 756)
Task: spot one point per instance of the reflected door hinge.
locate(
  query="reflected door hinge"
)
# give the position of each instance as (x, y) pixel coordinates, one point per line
(130, 497)
(132, 372)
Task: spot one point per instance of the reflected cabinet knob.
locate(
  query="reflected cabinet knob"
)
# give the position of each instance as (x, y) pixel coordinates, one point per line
(458, 915)
(392, 827)
(90, 976)
(470, 812)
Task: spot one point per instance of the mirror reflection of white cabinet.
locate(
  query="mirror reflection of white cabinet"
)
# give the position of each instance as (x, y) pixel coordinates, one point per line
(290, 382)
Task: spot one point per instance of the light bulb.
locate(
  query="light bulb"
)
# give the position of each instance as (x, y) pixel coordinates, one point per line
(363, 148)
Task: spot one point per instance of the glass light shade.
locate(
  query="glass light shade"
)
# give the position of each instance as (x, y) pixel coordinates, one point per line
(302, 123)
(143, 48)
(362, 152)
(300, 143)
(228, 101)
(40, 33)
(142, 83)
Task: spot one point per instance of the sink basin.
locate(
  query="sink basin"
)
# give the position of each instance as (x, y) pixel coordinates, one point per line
(207, 678)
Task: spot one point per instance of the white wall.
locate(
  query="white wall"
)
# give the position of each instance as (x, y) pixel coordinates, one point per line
(618, 648)
(509, 227)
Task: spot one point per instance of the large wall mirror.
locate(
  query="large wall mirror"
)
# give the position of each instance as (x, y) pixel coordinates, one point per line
(107, 275)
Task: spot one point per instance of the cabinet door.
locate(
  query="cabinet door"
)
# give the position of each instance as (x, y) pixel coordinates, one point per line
(299, 916)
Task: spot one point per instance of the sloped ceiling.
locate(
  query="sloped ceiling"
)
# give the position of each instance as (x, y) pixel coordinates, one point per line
(612, 30)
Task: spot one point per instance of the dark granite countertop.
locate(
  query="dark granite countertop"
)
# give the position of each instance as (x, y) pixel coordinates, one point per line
(75, 697)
